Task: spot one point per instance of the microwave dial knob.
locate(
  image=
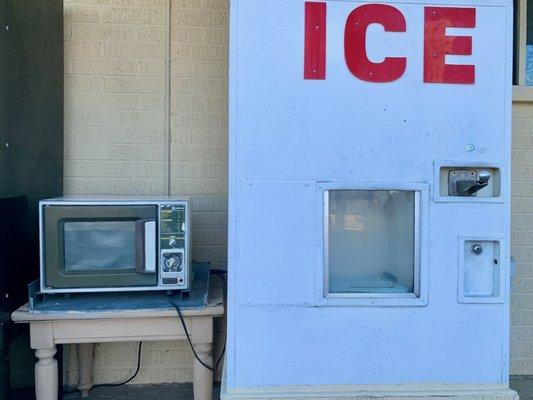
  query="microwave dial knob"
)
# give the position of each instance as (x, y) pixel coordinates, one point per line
(173, 263)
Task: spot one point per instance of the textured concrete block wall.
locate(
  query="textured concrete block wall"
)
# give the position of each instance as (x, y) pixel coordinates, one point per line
(522, 241)
(116, 137)
(115, 96)
(198, 118)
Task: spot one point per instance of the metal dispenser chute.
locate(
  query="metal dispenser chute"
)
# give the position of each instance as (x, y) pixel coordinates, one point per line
(467, 182)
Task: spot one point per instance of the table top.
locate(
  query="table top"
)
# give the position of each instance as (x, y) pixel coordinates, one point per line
(214, 308)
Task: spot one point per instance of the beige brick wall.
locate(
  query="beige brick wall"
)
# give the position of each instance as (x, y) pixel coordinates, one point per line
(522, 241)
(116, 137)
(115, 96)
(115, 143)
(198, 118)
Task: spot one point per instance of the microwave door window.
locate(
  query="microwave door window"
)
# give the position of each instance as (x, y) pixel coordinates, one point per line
(99, 246)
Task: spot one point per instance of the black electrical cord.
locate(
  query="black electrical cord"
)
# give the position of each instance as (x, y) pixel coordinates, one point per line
(132, 377)
(73, 390)
(220, 274)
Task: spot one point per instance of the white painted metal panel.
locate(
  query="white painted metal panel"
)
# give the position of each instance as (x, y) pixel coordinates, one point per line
(286, 132)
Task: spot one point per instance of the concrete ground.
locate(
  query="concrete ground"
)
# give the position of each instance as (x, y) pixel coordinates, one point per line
(169, 391)
(523, 385)
(144, 392)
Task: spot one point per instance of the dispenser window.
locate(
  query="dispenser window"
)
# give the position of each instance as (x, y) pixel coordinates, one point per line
(372, 242)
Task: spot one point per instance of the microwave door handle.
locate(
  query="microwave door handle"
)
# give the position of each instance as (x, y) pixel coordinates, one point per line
(146, 246)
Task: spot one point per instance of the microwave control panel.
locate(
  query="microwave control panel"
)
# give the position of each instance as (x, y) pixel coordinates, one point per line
(172, 225)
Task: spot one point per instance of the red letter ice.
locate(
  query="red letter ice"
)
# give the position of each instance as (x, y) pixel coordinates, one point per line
(437, 45)
(392, 20)
(315, 41)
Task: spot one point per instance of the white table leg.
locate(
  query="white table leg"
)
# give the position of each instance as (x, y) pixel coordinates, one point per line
(42, 341)
(46, 374)
(202, 339)
(85, 367)
(202, 377)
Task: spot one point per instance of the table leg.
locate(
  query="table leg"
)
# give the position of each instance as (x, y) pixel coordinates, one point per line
(85, 367)
(46, 374)
(202, 377)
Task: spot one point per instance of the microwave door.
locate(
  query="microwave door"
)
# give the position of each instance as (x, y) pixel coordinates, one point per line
(146, 246)
(100, 246)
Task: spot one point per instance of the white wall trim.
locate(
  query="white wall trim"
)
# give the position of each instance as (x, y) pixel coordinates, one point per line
(366, 391)
(426, 390)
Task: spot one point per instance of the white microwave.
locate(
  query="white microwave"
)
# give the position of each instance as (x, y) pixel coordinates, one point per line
(110, 244)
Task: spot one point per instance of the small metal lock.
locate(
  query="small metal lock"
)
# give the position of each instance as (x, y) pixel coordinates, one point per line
(477, 249)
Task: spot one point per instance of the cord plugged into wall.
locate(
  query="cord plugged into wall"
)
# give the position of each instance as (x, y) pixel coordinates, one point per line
(219, 273)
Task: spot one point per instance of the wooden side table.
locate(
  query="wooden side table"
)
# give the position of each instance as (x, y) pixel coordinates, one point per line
(50, 328)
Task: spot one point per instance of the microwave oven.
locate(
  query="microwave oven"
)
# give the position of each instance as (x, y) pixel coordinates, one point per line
(106, 244)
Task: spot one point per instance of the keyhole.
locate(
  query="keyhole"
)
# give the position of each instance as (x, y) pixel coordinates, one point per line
(477, 249)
